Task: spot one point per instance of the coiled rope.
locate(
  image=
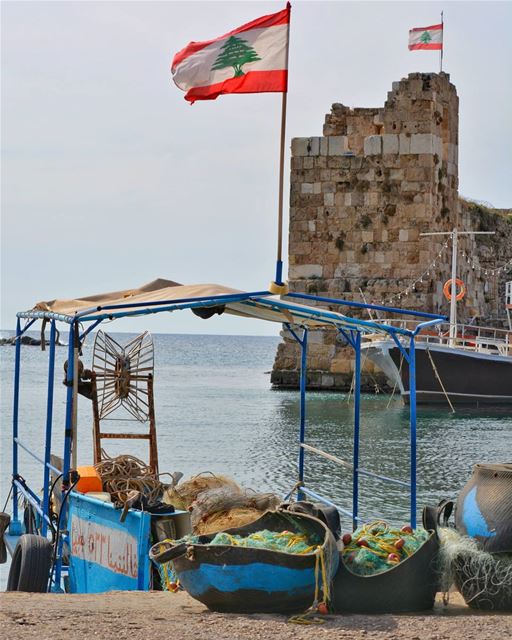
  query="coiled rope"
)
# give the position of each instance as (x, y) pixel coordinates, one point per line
(124, 474)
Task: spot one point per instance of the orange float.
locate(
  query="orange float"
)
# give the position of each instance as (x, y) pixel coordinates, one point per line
(89, 480)
(447, 289)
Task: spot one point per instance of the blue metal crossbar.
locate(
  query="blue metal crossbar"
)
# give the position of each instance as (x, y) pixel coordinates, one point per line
(364, 305)
(35, 456)
(229, 297)
(384, 478)
(33, 499)
(320, 498)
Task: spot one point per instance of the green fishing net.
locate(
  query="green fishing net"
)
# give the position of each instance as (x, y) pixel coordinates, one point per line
(377, 547)
(285, 541)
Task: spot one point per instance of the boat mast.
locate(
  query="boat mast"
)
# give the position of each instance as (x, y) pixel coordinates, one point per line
(453, 302)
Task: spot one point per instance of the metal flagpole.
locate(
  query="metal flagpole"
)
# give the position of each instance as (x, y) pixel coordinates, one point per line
(442, 44)
(278, 286)
(279, 263)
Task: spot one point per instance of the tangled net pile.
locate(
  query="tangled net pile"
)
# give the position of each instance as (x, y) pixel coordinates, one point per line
(217, 502)
(183, 495)
(124, 474)
(286, 541)
(484, 579)
(376, 547)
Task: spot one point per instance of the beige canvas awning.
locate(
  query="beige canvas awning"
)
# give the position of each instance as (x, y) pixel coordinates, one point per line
(167, 295)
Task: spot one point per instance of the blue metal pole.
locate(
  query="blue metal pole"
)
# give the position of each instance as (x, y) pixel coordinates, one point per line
(68, 437)
(15, 527)
(357, 408)
(303, 377)
(279, 272)
(412, 408)
(49, 418)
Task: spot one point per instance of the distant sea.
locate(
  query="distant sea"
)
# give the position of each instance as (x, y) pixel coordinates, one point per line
(215, 411)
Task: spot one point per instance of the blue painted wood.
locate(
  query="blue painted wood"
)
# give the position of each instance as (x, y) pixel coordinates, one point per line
(106, 554)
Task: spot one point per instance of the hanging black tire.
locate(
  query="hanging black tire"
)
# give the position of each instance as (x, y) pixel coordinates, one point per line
(30, 566)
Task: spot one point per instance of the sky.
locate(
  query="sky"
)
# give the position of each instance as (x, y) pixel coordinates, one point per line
(110, 179)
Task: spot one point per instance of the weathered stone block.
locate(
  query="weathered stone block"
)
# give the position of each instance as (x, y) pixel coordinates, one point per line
(422, 143)
(305, 147)
(404, 144)
(390, 143)
(372, 145)
(306, 187)
(329, 199)
(338, 145)
(306, 271)
(341, 365)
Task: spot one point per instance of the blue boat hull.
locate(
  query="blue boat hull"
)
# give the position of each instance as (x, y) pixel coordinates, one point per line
(248, 580)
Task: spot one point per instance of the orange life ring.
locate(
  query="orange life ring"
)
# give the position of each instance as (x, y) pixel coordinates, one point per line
(447, 289)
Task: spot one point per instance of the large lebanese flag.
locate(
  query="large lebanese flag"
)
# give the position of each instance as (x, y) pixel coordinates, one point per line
(250, 59)
(426, 37)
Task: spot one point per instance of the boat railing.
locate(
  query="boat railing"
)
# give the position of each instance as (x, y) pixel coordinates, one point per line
(471, 337)
(508, 294)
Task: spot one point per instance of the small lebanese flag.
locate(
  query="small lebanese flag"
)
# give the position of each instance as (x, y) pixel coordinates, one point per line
(250, 59)
(426, 37)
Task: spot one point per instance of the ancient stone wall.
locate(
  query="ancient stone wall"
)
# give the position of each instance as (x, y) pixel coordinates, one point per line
(360, 195)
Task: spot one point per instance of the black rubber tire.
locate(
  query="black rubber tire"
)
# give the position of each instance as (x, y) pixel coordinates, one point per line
(30, 566)
(29, 519)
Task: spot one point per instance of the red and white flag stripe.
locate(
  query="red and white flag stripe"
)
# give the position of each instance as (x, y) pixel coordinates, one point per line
(250, 59)
(426, 37)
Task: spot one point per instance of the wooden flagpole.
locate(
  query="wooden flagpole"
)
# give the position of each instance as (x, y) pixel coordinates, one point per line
(278, 286)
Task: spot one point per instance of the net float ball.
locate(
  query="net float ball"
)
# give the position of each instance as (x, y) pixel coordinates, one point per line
(322, 608)
(399, 543)
(362, 543)
(347, 539)
(393, 558)
(406, 528)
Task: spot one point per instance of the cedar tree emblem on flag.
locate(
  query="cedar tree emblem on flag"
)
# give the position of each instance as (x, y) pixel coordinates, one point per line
(426, 37)
(250, 59)
(235, 53)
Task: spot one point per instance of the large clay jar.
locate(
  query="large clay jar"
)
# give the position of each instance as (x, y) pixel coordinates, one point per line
(484, 507)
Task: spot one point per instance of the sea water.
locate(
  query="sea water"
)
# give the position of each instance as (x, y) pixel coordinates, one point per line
(215, 411)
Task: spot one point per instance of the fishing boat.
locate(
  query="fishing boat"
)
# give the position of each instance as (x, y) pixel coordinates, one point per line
(455, 363)
(74, 540)
(472, 368)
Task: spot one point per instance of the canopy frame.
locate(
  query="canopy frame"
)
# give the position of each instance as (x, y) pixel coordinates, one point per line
(307, 318)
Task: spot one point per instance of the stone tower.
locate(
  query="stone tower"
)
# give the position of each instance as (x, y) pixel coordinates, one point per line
(360, 197)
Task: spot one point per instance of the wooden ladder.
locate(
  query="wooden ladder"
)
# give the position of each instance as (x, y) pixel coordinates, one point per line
(99, 435)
